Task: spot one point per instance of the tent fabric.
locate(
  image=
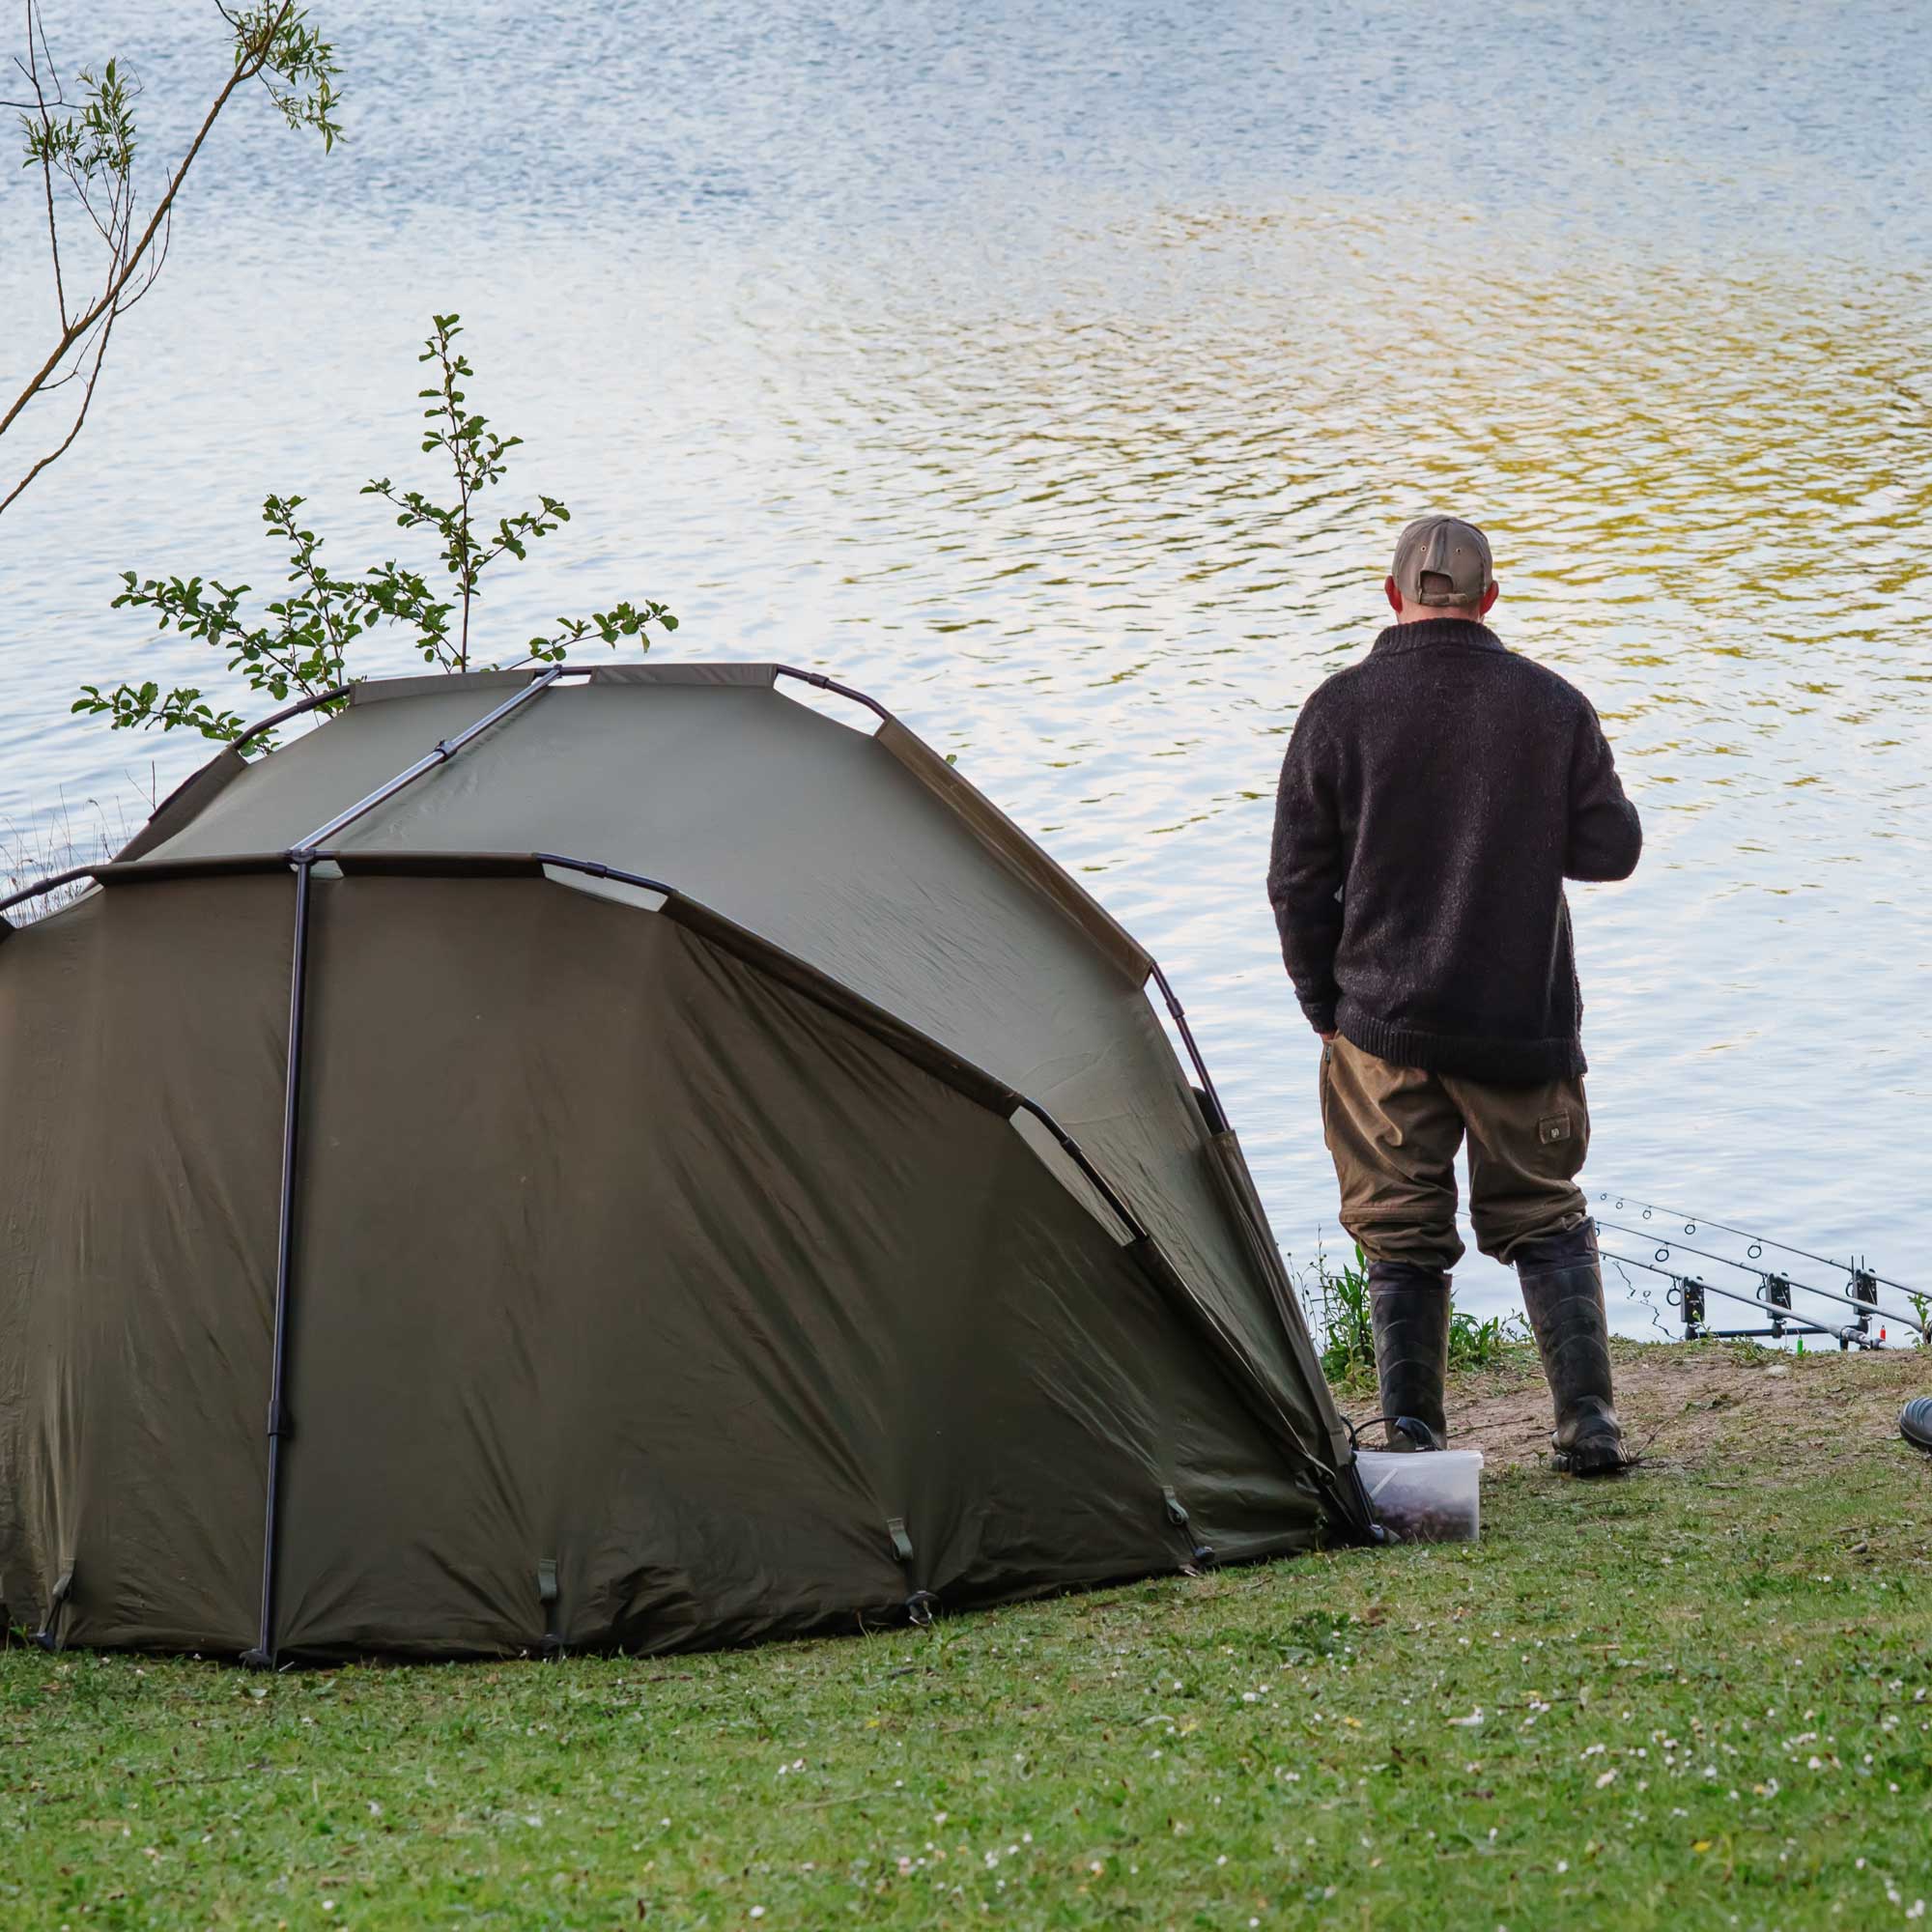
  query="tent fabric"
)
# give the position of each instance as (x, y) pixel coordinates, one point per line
(142, 1045)
(726, 1285)
(815, 834)
(670, 1266)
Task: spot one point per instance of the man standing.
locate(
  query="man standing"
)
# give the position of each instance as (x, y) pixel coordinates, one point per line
(1433, 799)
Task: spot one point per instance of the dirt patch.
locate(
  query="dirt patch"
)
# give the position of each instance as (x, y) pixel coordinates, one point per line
(1684, 1401)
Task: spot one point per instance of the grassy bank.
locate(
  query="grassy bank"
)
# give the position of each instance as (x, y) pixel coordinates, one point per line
(1702, 1697)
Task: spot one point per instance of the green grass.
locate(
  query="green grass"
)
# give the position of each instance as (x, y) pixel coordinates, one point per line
(1337, 1299)
(1705, 1699)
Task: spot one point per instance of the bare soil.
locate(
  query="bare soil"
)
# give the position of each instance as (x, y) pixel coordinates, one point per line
(1689, 1402)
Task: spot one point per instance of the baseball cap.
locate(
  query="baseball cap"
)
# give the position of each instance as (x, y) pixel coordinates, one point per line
(1443, 547)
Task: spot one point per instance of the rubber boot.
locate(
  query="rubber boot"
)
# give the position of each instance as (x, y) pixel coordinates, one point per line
(1408, 1309)
(1563, 1290)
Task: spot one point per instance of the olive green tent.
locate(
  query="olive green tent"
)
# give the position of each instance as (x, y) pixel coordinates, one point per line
(666, 1166)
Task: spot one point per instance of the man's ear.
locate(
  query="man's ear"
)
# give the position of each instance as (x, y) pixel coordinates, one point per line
(1394, 595)
(1489, 600)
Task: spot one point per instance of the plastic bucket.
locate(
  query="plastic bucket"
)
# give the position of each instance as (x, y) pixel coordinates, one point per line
(1425, 1495)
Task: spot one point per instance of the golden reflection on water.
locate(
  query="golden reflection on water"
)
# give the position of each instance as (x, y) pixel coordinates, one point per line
(1145, 524)
(1095, 502)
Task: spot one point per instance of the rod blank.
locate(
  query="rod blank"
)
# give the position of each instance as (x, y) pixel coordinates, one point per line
(1665, 1247)
(1691, 1223)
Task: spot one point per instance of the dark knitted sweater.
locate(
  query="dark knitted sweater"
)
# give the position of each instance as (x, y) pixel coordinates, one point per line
(1433, 799)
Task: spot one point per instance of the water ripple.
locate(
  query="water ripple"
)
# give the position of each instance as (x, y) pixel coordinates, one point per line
(1067, 387)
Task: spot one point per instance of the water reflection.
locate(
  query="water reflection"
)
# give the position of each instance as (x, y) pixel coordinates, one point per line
(1068, 392)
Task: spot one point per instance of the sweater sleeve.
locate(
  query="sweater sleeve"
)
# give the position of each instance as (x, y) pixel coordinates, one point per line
(1306, 870)
(1606, 834)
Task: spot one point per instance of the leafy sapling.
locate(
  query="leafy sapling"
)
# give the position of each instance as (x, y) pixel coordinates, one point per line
(301, 646)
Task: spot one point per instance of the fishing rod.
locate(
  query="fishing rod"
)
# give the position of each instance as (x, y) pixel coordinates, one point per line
(1773, 1294)
(1758, 1242)
(1687, 1292)
(1866, 1305)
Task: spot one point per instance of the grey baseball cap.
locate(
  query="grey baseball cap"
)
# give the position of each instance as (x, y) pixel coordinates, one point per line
(1443, 547)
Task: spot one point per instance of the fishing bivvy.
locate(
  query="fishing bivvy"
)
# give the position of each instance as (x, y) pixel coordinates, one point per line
(553, 1161)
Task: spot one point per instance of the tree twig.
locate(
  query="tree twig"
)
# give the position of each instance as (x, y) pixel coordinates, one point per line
(46, 154)
(247, 67)
(468, 578)
(80, 415)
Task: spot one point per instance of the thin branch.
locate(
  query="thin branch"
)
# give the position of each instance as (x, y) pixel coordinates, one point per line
(46, 160)
(60, 98)
(246, 69)
(153, 272)
(48, 53)
(468, 578)
(305, 562)
(285, 664)
(87, 396)
(77, 186)
(120, 210)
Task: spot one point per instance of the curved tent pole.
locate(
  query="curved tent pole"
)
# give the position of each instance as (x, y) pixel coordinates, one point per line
(287, 712)
(1217, 1115)
(1098, 1180)
(821, 682)
(48, 885)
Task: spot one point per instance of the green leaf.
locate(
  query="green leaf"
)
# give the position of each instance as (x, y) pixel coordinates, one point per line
(298, 642)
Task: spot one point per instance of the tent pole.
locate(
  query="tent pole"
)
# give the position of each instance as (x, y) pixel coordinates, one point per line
(824, 683)
(46, 885)
(303, 857)
(445, 750)
(263, 1656)
(1096, 1179)
(287, 712)
(1217, 1122)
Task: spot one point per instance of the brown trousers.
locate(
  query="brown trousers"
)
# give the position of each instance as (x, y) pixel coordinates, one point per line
(1394, 1131)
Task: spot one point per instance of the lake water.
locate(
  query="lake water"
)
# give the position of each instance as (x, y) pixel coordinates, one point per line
(1061, 374)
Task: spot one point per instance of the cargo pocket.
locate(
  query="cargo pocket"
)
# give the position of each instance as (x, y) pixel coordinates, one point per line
(1562, 1143)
